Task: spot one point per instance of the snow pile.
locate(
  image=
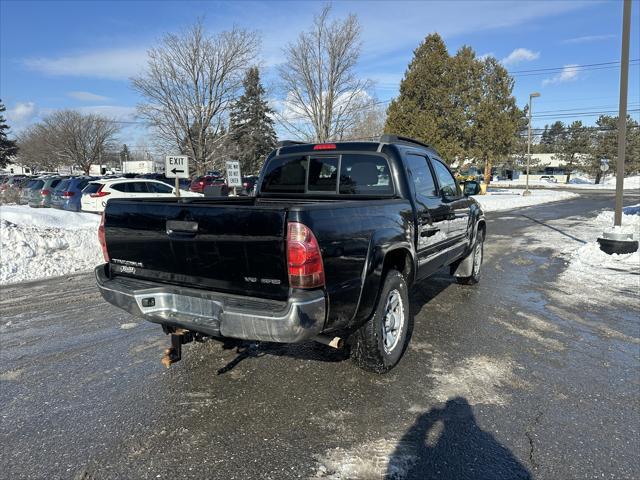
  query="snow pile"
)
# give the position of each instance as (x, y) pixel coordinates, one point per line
(497, 200)
(576, 182)
(591, 265)
(39, 243)
(629, 182)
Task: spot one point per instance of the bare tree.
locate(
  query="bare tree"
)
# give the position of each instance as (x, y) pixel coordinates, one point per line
(189, 85)
(323, 95)
(368, 123)
(78, 139)
(35, 151)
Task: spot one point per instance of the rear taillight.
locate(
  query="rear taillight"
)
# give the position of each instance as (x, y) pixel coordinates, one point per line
(68, 194)
(99, 193)
(44, 193)
(303, 257)
(103, 241)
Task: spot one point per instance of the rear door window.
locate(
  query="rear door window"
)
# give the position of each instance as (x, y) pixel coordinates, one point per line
(159, 187)
(420, 173)
(136, 187)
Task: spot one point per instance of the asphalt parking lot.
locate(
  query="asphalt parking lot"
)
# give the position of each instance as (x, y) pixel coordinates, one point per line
(512, 378)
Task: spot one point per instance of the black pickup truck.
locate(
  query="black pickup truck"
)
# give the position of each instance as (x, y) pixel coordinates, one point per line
(326, 250)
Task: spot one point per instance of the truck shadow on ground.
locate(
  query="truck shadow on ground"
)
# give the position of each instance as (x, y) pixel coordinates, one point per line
(447, 443)
(421, 294)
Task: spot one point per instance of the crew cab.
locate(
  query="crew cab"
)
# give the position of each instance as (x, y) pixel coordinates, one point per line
(326, 250)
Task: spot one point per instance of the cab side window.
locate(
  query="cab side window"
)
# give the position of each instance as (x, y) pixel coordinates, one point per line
(448, 186)
(421, 175)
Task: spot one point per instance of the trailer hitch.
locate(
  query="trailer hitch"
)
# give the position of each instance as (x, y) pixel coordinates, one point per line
(173, 354)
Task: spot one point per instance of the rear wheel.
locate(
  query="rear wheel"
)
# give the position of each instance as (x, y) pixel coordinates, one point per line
(379, 344)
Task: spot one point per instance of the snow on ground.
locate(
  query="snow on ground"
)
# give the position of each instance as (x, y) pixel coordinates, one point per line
(591, 267)
(591, 276)
(39, 243)
(577, 182)
(497, 200)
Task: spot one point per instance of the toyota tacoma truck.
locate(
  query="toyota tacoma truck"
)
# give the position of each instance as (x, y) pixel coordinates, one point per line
(327, 250)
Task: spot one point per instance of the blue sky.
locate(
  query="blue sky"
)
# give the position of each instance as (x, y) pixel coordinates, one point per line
(81, 54)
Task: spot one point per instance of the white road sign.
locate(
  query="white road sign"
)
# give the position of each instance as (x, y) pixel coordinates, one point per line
(176, 166)
(604, 164)
(234, 178)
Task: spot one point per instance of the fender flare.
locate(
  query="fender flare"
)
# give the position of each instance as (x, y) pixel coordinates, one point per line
(382, 243)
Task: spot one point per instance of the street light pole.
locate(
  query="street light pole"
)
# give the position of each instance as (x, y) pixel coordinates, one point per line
(531, 97)
(617, 240)
(622, 110)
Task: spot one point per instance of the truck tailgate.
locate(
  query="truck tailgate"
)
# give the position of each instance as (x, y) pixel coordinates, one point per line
(233, 247)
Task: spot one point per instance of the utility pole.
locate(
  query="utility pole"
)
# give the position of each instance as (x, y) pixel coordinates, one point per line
(531, 97)
(622, 110)
(616, 240)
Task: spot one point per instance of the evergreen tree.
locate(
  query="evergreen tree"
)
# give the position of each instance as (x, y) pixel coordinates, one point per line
(495, 120)
(425, 105)
(251, 130)
(461, 105)
(551, 137)
(124, 154)
(574, 147)
(605, 145)
(8, 148)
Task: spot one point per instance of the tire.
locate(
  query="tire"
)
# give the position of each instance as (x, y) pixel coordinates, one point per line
(379, 344)
(478, 254)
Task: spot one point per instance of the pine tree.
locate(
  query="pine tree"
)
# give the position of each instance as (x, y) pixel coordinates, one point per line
(496, 119)
(124, 154)
(605, 145)
(426, 107)
(251, 130)
(551, 137)
(574, 147)
(8, 148)
(461, 105)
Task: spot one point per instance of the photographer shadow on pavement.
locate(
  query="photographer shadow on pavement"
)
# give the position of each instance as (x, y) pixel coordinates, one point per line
(447, 443)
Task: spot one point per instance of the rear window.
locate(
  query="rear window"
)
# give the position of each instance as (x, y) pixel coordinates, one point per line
(92, 188)
(38, 184)
(63, 185)
(358, 174)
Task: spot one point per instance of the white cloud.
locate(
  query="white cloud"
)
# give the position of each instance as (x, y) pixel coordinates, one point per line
(115, 64)
(569, 73)
(590, 38)
(520, 55)
(87, 97)
(22, 112)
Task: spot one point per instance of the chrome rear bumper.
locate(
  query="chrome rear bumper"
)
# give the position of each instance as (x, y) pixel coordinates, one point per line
(298, 319)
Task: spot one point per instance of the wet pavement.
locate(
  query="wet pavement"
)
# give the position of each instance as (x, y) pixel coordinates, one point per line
(516, 377)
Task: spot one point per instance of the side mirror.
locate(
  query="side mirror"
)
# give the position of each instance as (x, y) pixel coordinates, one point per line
(471, 188)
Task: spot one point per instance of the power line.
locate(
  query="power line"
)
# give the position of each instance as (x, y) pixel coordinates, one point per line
(569, 67)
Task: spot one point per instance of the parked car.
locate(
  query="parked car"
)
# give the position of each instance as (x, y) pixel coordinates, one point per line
(313, 256)
(199, 184)
(68, 193)
(11, 187)
(42, 197)
(548, 178)
(25, 192)
(98, 192)
(248, 184)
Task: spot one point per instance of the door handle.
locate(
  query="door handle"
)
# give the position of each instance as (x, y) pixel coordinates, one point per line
(179, 228)
(429, 231)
